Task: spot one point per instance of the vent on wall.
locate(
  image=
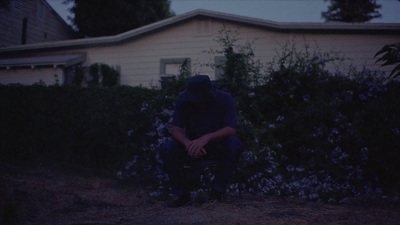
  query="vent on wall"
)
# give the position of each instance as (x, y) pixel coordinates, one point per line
(24, 28)
(202, 27)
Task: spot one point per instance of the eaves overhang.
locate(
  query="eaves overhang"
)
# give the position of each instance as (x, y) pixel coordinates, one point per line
(334, 27)
(43, 61)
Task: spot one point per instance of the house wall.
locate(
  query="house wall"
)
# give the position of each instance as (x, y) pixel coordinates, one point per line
(29, 76)
(43, 24)
(139, 59)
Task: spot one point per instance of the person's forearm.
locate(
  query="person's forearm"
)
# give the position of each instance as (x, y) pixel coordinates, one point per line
(179, 135)
(220, 134)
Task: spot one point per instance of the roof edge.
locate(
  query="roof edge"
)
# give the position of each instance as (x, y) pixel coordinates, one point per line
(279, 26)
(66, 60)
(59, 17)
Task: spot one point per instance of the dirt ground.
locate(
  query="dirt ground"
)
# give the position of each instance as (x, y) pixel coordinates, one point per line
(40, 196)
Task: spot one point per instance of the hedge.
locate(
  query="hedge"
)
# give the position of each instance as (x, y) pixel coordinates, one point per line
(308, 132)
(95, 129)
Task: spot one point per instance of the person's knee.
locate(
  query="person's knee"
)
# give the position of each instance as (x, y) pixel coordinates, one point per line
(235, 144)
(170, 150)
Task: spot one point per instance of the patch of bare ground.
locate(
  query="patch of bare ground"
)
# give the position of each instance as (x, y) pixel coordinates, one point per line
(40, 196)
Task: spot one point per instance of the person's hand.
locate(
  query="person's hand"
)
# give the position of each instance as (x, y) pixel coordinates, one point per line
(196, 147)
(198, 154)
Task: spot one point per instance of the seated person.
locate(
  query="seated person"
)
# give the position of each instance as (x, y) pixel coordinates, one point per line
(203, 127)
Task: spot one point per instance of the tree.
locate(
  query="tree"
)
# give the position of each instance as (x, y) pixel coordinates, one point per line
(241, 69)
(354, 11)
(103, 75)
(111, 17)
(391, 56)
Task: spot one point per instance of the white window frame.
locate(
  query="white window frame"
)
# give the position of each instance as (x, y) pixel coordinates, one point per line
(218, 61)
(165, 61)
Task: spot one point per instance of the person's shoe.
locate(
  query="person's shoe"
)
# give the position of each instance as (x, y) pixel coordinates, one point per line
(180, 201)
(218, 196)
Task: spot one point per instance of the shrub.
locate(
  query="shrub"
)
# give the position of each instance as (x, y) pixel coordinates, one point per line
(79, 75)
(173, 86)
(308, 132)
(96, 129)
(390, 55)
(103, 74)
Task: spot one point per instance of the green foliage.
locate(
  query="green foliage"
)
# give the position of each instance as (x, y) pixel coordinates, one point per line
(391, 56)
(106, 17)
(309, 132)
(356, 11)
(241, 70)
(96, 129)
(57, 81)
(79, 75)
(173, 86)
(325, 126)
(313, 133)
(318, 133)
(292, 59)
(101, 74)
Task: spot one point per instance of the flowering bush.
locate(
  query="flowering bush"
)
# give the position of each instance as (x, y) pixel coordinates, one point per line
(308, 132)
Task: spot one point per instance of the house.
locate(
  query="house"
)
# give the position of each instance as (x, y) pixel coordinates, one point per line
(29, 22)
(146, 54)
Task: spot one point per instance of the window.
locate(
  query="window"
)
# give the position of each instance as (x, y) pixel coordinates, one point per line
(219, 62)
(171, 67)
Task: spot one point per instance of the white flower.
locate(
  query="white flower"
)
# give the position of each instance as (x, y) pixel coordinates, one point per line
(167, 112)
(306, 98)
(119, 174)
(130, 132)
(144, 107)
(151, 134)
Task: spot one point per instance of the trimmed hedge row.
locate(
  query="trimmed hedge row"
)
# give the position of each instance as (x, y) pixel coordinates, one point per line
(81, 128)
(313, 136)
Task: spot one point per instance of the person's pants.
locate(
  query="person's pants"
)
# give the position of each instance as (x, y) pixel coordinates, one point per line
(226, 152)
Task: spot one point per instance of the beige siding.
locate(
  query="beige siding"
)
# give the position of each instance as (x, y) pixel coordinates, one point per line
(139, 58)
(31, 76)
